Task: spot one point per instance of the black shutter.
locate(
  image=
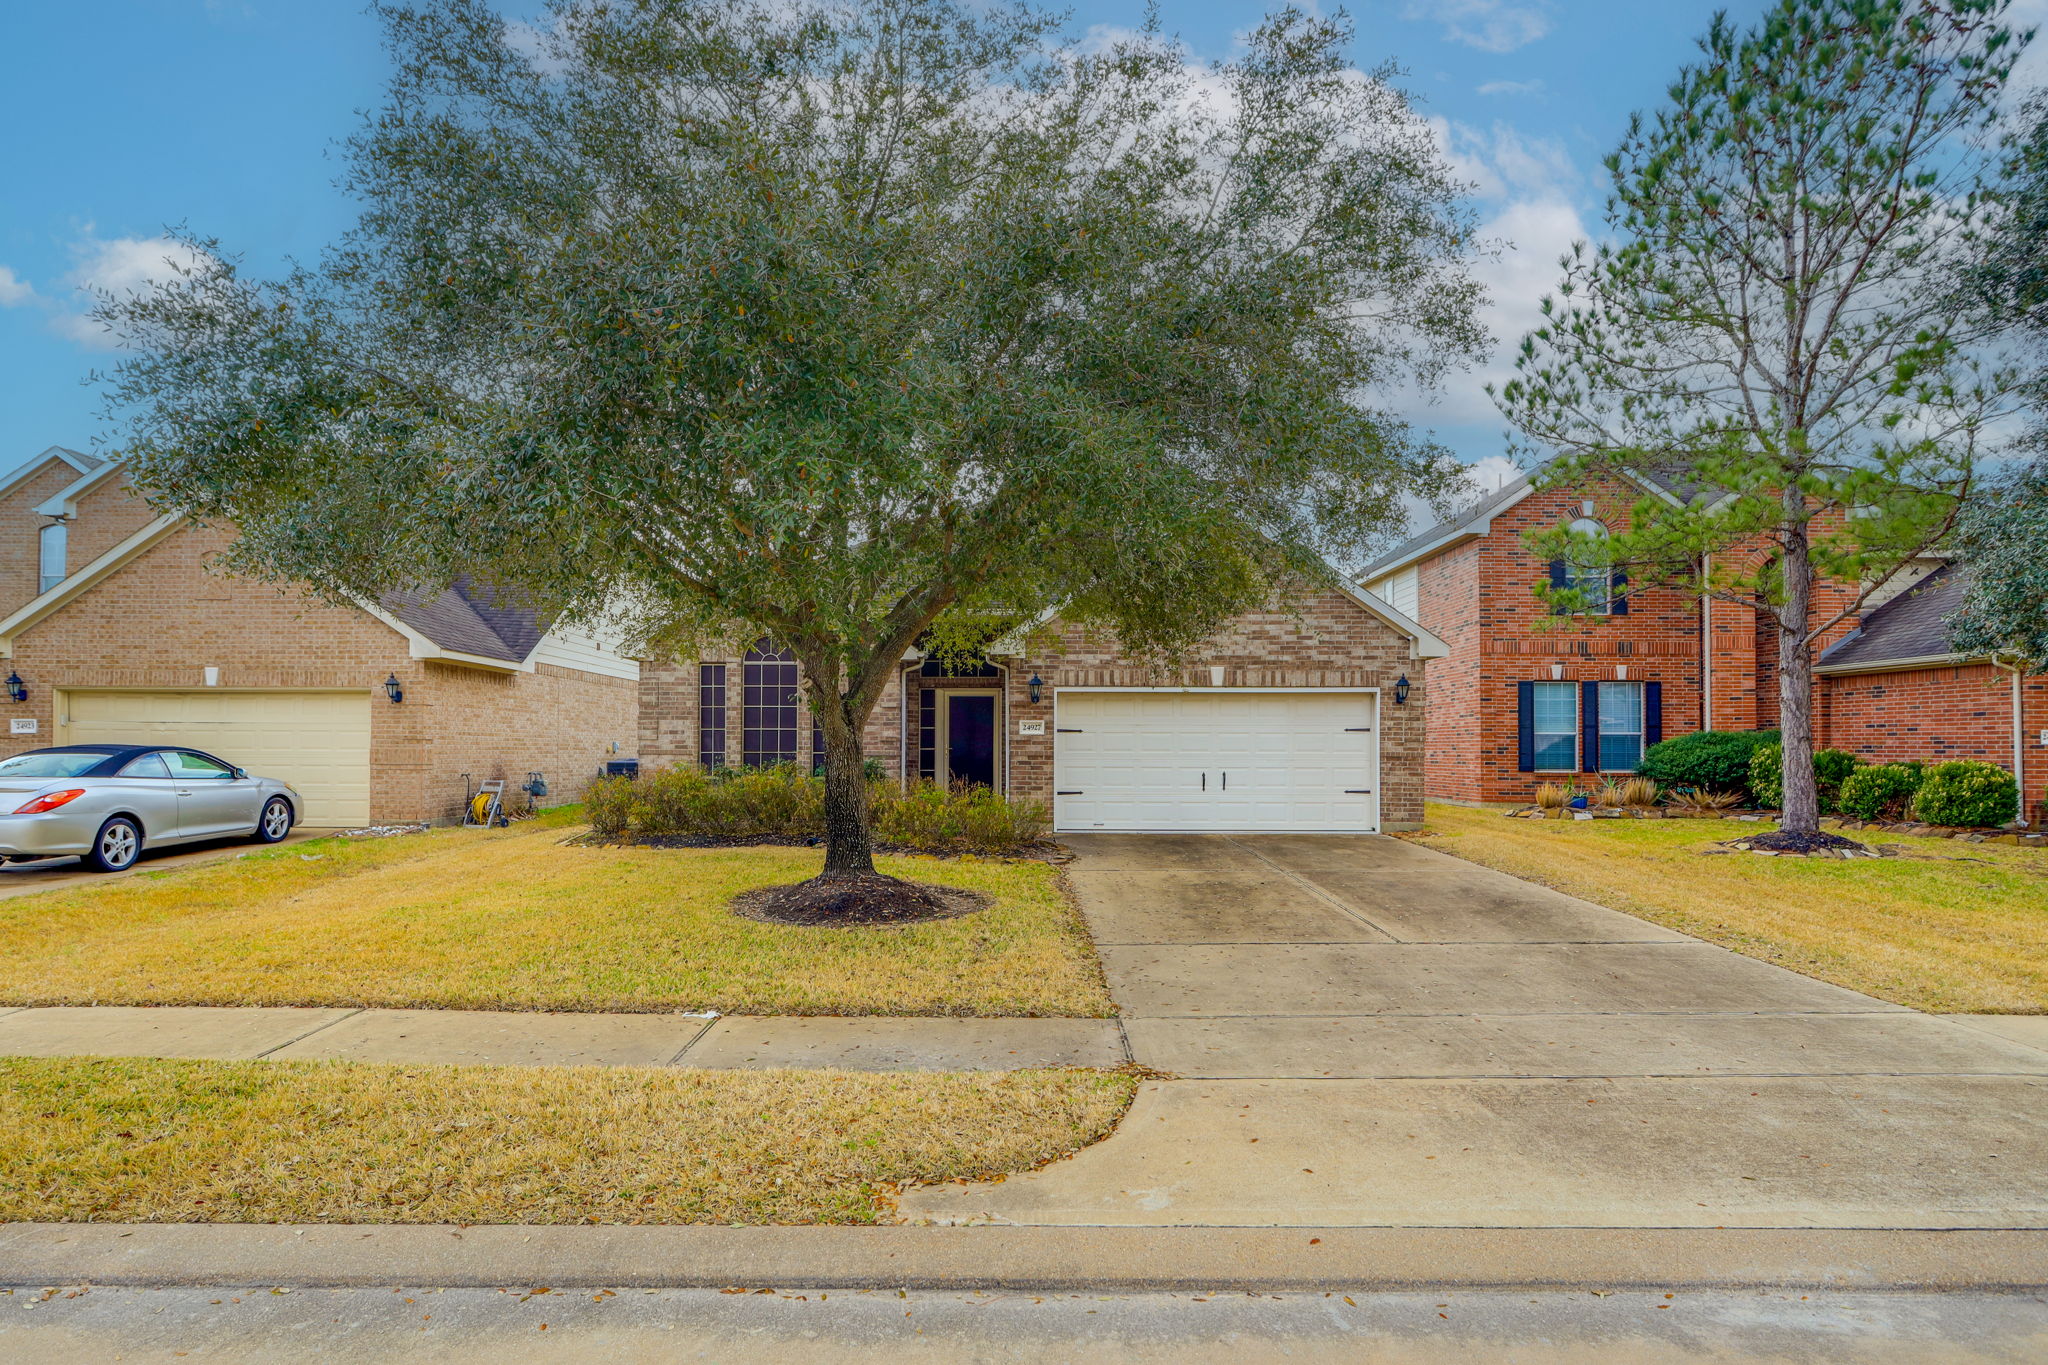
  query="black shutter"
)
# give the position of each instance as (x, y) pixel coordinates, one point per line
(1589, 727)
(1653, 713)
(1617, 594)
(1560, 579)
(1525, 723)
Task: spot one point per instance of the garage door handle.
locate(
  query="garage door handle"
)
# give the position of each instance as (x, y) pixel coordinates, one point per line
(1064, 730)
(1069, 793)
(1358, 729)
(1358, 791)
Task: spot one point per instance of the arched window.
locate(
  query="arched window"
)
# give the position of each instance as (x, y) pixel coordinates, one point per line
(770, 705)
(53, 538)
(1595, 582)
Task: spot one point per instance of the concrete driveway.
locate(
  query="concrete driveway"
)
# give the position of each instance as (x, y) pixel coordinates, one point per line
(1363, 1032)
(54, 874)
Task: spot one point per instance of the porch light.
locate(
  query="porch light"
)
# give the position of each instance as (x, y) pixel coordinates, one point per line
(393, 690)
(17, 690)
(1037, 686)
(1401, 690)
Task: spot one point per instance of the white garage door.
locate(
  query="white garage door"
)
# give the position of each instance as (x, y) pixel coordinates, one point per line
(317, 741)
(1174, 760)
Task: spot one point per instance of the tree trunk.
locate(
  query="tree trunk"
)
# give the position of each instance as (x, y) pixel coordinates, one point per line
(1795, 690)
(849, 843)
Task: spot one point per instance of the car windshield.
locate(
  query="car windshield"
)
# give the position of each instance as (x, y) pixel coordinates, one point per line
(49, 765)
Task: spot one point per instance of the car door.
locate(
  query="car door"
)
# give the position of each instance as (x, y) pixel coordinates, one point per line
(211, 798)
(145, 786)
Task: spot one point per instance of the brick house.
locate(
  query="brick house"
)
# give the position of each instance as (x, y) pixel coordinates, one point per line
(116, 628)
(1305, 717)
(1525, 697)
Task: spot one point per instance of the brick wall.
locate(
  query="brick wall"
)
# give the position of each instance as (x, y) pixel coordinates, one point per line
(107, 514)
(164, 618)
(20, 529)
(1936, 714)
(1480, 597)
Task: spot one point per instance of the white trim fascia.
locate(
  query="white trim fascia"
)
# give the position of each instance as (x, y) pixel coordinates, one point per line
(64, 503)
(36, 464)
(1426, 643)
(420, 647)
(1899, 665)
(1455, 534)
(1177, 687)
(36, 609)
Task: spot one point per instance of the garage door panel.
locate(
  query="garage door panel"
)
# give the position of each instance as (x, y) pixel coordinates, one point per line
(319, 742)
(1170, 760)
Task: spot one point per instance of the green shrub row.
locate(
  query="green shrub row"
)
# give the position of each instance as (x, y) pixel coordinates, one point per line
(1963, 792)
(1711, 760)
(1967, 792)
(785, 802)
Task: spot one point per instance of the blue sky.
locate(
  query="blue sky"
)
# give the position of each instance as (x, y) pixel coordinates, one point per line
(123, 116)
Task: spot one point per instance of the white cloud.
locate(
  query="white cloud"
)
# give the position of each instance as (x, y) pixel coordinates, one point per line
(121, 265)
(14, 291)
(1489, 25)
(1512, 88)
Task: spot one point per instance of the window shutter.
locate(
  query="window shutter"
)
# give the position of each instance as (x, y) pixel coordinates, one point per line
(1525, 724)
(1617, 594)
(1560, 579)
(1589, 727)
(1653, 713)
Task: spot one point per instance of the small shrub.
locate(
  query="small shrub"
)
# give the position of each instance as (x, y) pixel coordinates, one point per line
(1703, 802)
(1553, 795)
(1882, 791)
(609, 806)
(1638, 792)
(1706, 759)
(1967, 792)
(1831, 767)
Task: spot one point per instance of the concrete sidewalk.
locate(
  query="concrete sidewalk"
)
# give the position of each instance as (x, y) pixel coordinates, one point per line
(492, 1038)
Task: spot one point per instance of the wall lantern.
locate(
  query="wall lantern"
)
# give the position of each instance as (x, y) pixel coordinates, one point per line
(393, 690)
(17, 690)
(1037, 686)
(1401, 691)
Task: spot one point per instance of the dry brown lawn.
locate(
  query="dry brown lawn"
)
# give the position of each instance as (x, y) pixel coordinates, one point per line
(518, 919)
(1945, 927)
(138, 1140)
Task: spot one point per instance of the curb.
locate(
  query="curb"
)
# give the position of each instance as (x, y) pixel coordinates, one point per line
(1022, 1258)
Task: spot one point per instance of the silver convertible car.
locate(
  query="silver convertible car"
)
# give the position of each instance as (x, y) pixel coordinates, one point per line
(108, 802)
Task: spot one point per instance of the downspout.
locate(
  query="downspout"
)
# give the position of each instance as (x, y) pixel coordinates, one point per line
(1706, 644)
(2019, 744)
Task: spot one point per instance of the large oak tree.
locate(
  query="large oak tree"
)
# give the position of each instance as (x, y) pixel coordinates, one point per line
(847, 325)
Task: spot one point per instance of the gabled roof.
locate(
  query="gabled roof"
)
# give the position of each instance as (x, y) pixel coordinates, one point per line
(65, 502)
(468, 619)
(1911, 629)
(1477, 520)
(28, 469)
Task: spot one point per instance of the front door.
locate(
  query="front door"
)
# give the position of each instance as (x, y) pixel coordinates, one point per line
(971, 739)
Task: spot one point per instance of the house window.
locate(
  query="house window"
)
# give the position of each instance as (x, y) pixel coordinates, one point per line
(1557, 727)
(770, 707)
(711, 715)
(1594, 582)
(53, 550)
(1621, 726)
(817, 746)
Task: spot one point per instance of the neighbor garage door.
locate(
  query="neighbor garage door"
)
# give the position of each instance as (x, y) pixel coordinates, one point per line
(1174, 760)
(317, 741)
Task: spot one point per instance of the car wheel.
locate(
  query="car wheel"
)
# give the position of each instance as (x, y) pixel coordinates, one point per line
(116, 847)
(275, 822)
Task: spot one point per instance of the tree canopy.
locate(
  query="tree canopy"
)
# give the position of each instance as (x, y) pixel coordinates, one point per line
(844, 324)
(1780, 326)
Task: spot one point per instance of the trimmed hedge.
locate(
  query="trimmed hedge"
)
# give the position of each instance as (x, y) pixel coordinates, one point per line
(1716, 760)
(785, 802)
(1967, 792)
(1831, 768)
(1882, 791)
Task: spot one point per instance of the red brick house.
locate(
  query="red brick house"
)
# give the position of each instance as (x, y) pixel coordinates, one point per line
(1524, 697)
(113, 627)
(1305, 717)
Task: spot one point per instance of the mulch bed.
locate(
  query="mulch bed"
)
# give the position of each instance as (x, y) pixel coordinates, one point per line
(857, 902)
(1820, 845)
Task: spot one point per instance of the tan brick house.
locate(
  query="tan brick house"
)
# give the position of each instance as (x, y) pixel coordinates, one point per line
(1524, 697)
(116, 628)
(1305, 717)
